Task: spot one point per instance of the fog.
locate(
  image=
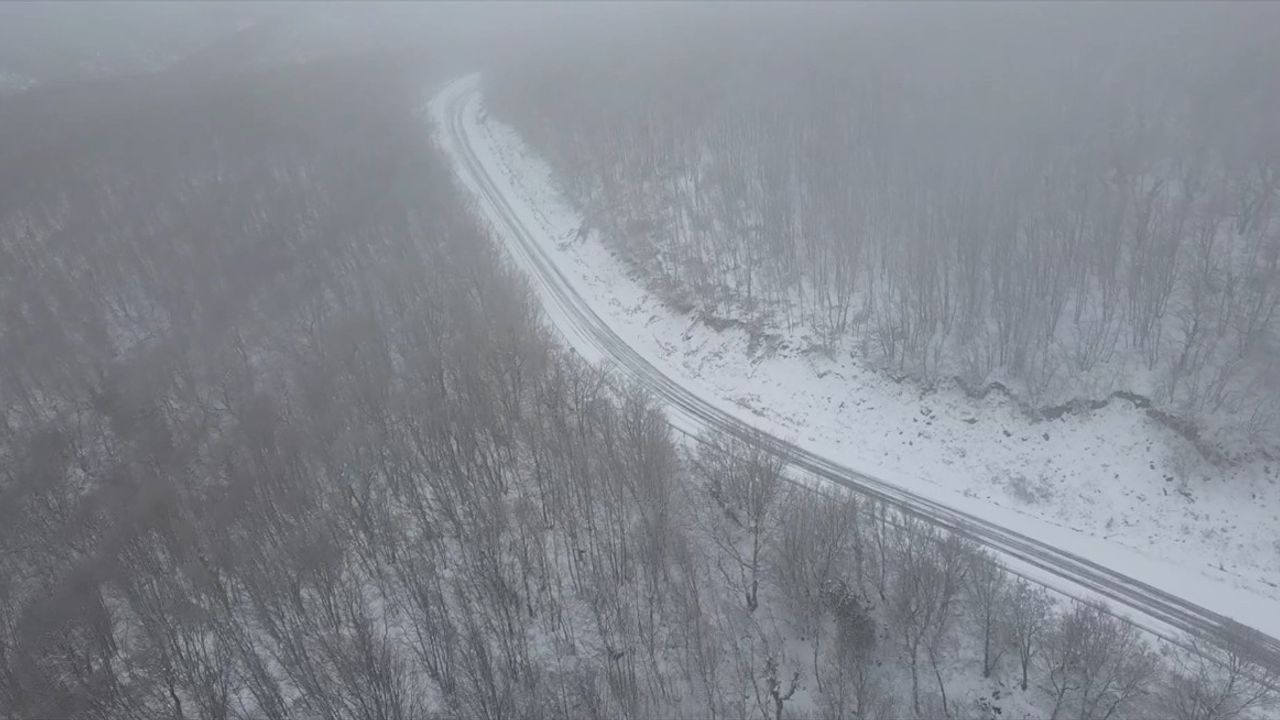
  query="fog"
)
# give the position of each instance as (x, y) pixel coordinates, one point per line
(639, 360)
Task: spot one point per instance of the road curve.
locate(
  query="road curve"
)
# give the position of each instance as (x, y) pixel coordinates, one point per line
(1152, 608)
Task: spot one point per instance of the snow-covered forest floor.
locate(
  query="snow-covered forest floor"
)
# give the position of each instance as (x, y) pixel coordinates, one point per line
(1110, 484)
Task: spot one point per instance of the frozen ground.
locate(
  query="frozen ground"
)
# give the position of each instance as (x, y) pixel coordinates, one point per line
(1110, 485)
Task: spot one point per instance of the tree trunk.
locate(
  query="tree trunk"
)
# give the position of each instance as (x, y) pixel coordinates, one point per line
(986, 646)
(915, 684)
(942, 688)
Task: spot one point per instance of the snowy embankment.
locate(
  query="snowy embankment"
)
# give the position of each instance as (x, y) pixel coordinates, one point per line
(1111, 485)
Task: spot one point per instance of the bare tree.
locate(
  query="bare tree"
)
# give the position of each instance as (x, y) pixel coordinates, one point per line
(987, 586)
(930, 572)
(1096, 663)
(1029, 614)
(817, 544)
(853, 688)
(1217, 683)
(743, 478)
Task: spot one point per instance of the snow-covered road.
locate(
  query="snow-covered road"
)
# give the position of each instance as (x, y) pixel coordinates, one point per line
(1163, 596)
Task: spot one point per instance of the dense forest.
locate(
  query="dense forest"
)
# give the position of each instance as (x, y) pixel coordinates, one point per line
(1068, 201)
(283, 436)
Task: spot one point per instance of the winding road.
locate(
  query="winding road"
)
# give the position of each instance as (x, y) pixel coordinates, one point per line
(1152, 608)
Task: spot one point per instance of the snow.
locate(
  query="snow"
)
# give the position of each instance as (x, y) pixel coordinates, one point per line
(1110, 485)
